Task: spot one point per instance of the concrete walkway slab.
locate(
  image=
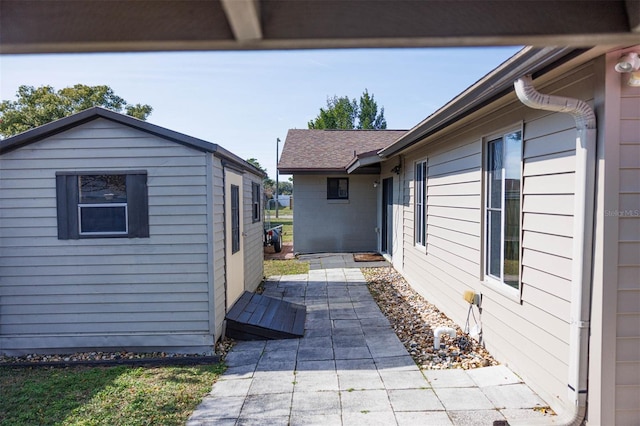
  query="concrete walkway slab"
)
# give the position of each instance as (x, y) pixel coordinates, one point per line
(351, 369)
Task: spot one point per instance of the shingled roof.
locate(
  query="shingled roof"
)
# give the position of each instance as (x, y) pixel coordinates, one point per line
(330, 150)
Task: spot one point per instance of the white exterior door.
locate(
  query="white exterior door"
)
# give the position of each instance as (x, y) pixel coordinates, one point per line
(233, 239)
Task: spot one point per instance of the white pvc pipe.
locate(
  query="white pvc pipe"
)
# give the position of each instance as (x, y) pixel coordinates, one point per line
(582, 232)
(439, 332)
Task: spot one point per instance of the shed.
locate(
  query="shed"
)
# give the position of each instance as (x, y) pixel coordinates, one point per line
(117, 234)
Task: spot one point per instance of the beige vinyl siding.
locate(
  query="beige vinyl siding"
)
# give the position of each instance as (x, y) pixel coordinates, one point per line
(628, 306)
(253, 246)
(530, 334)
(138, 293)
(449, 264)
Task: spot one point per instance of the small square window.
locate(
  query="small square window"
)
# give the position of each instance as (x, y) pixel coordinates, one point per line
(337, 188)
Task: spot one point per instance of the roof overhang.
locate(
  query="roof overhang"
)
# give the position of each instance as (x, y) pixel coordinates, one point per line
(53, 26)
(310, 171)
(368, 162)
(496, 84)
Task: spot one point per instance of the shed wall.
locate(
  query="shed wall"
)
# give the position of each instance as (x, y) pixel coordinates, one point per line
(219, 266)
(139, 294)
(322, 225)
(253, 246)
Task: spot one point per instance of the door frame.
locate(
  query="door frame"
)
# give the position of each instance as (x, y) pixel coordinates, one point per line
(386, 243)
(234, 255)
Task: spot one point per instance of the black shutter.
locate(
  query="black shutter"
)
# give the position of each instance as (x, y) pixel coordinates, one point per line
(67, 206)
(138, 205)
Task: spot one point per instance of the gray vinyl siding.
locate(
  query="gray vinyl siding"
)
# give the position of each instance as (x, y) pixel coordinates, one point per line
(322, 225)
(142, 294)
(219, 267)
(253, 246)
(628, 298)
(530, 334)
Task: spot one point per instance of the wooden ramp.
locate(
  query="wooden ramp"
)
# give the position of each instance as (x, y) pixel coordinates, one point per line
(258, 317)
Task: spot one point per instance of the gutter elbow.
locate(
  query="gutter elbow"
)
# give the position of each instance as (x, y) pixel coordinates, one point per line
(582, 112)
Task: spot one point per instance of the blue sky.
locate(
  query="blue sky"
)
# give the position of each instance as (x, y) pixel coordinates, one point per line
(243, 101)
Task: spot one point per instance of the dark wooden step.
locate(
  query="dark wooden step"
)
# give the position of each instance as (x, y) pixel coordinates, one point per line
(258, 317)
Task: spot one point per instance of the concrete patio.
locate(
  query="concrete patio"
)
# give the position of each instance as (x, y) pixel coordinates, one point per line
(351, 369)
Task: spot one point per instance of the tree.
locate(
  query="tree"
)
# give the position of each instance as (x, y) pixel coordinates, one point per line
(342, 113)
(285, 188)
(267, 183)
(37, 106)
(368, 117)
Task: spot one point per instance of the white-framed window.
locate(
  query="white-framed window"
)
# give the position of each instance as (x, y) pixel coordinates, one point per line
(503, 209)
(420, 190)
(102, 205)
(109, 204)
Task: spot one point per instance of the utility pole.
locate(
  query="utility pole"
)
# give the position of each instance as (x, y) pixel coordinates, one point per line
(277, 157)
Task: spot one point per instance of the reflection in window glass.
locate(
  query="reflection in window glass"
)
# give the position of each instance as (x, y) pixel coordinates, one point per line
(337, 188)
(513, 175)
(420, 186)
(100, 189)
(504, 174)
(102, 206)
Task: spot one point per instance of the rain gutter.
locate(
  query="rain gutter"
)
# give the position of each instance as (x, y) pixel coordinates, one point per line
(581, 277)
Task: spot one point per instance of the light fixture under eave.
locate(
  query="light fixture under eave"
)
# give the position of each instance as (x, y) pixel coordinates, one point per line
(628, 63)
(634, 80)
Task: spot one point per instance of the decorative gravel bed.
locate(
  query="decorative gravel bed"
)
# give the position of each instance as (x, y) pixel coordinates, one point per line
(121, 357)
(414, 319)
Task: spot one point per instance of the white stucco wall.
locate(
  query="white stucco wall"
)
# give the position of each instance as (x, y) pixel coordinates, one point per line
(322, 225)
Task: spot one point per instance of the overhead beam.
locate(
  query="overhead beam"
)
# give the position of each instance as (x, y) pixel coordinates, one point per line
(244, 19)
(633, 12)
(57, 26)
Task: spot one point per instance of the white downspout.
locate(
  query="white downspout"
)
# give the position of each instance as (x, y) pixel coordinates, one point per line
(582, 232)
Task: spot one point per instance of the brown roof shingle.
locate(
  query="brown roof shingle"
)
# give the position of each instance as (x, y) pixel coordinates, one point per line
(330, 150)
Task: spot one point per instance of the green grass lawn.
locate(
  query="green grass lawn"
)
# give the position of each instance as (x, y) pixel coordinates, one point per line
(285, 267)
(120, 395)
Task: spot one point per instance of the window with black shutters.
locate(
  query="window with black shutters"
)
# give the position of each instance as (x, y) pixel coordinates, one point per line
(102, 205)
